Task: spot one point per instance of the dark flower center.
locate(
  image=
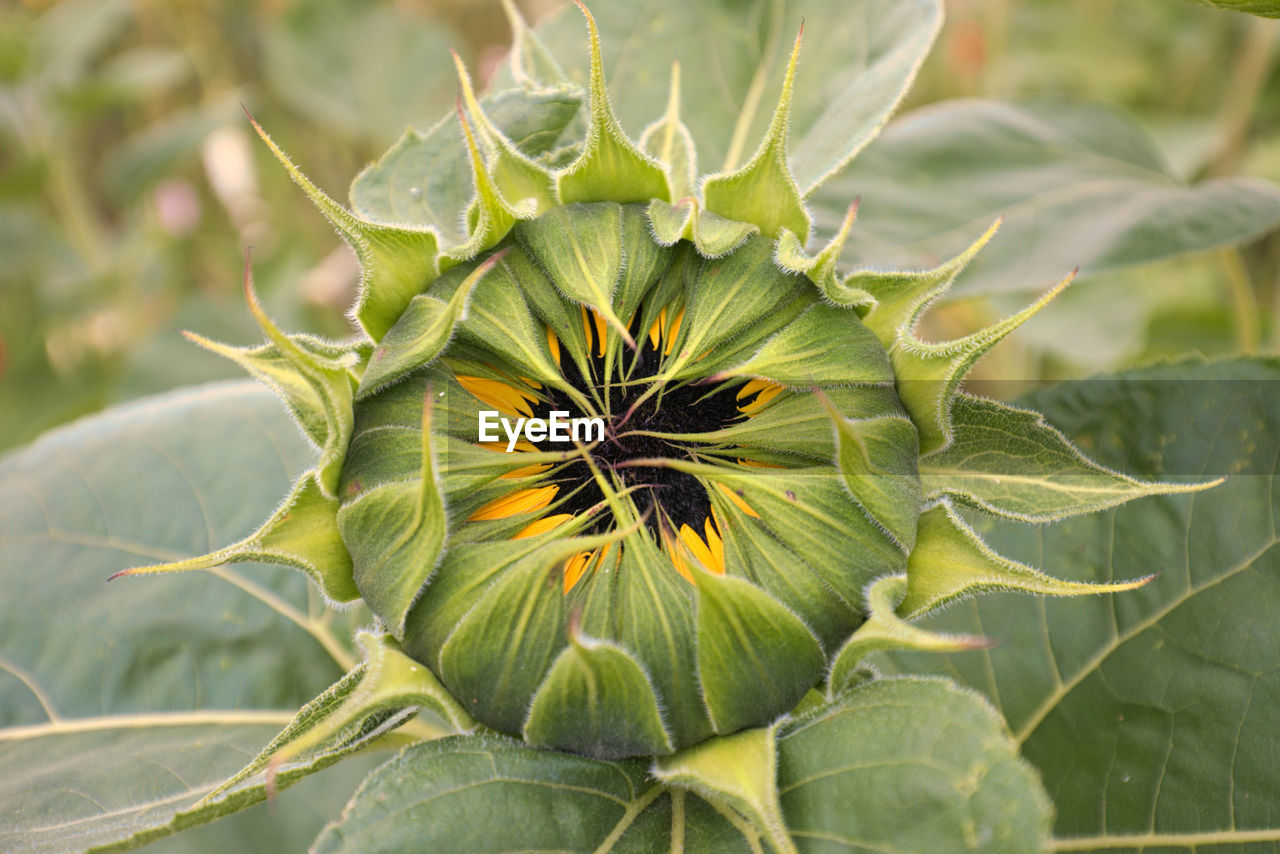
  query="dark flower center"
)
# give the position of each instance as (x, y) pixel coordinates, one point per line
(666, 496)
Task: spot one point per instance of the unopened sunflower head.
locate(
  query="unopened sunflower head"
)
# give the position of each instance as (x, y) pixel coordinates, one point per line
(623, 464)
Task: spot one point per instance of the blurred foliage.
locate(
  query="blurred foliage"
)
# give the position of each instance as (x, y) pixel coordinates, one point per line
(129, 183)
(1205, 84)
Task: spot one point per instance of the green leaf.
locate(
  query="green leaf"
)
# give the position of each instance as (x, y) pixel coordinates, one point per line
(263, 778)
(908, 765)
(318, 59)
(740, 772)
(669, 141)
(821, 267)
(950, 562)
(762, 191)
(914, 765)
(396, 261)
(1010, 462)
(123, 705)
(385, 689)
(425, 178)
(1079, 185)
(419, 335)
(529, 63)
(801, 354)
(597, 698)
(496, 794)
(714, 235)
(303, 534)
(929, 374)
(1149, 713)
(730, 302)
(286, 822)
(311, 377)
(578, 247)
(808, 510)
(884, 629)
(495, 658)
(858, 60)
(609, 167)
(877, 458)
(1265, 8)
(515, 176)
(755, 656)
(395, 533)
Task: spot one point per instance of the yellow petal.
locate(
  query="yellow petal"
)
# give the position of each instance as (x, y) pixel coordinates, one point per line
(738, 500)
(505, 398)
(553, 343)
(655, 331)
(586, 325)
(676, 552)
(701, 551)
(716, 544)
(758, 464)
(672, 333)
(601, 326)
(515, 503)
(546, 523)
(574, 567)
(765, 392)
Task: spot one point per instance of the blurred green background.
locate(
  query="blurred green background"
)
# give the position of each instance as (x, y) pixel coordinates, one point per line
(130, 180)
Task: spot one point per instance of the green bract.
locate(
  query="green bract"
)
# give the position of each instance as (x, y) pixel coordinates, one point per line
(771, 491)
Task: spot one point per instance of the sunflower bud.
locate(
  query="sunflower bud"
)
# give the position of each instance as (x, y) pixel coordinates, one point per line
(763, 487)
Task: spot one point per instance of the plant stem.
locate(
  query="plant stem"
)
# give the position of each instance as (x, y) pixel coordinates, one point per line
(1244, 302)
(1257, 54)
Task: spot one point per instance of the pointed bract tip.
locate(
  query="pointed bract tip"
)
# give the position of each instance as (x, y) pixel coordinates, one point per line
(795, 48)
(121, 573)
(591, 22)
(492, 261)
(246, 280)
(273, 768)
(428, 405)
(464, 76)
(846, 225)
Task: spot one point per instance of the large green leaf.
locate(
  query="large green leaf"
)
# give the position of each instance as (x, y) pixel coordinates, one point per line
(1265, 8)
(122, 705)
(857, 61)
(1152, 714)
(1009, 462)
(900, 765)
(1079, 186)
(908, 765)
(425, 178)
(362, 70)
